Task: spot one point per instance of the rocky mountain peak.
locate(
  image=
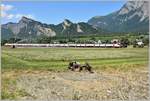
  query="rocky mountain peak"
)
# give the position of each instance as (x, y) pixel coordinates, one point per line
(139, 6)
(133, 16)
(25, 20)
(67, 22)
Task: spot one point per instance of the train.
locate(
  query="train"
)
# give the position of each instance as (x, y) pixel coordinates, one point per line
(63, 45)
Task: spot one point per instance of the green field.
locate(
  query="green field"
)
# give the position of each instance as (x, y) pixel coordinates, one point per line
(58, 58)
(30, 72)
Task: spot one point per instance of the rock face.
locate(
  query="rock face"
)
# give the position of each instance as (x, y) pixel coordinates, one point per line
(132, 17)
(68, 28)
(28, 28)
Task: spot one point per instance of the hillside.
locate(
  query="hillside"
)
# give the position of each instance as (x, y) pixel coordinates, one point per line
(29, 28)
(132, 17)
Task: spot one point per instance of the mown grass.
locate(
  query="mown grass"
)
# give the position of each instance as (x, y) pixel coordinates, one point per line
(9, 90)
(58, 58)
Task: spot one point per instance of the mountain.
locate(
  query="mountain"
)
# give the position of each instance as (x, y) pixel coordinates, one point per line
(132, 17)
(26, 28)
(29, 28)
(67, 28)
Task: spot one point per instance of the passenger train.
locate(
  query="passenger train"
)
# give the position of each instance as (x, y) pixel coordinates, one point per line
(64, 45)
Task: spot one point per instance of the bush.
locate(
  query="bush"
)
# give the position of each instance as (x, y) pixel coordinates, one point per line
(124, 42)
(3, 42)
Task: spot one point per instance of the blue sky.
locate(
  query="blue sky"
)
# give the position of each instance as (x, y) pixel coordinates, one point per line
(55, 12)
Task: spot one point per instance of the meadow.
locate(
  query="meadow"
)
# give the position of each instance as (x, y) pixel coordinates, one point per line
(41, 73)
(58, 58)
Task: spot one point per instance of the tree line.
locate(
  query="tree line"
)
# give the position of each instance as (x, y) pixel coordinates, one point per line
(124, 40)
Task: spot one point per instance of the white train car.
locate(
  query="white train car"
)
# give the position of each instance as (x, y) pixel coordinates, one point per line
(64, 45)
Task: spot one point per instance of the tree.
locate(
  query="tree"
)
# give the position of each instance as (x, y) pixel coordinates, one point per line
(3, 42)
(134, 44)
(146, 41)
(13, 40)
(44, 39)
(93, 38)
(107, 41)
(124, 42)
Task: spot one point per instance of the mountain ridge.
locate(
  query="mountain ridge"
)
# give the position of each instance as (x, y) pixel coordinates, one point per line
(28, 27)
(133, 16)
(129, 18)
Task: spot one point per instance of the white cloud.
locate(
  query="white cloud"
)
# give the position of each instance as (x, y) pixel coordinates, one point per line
(6, 15)
(3, 14)
(6, 7)
(10, 16)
